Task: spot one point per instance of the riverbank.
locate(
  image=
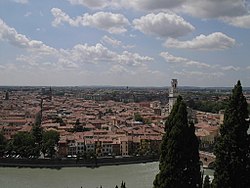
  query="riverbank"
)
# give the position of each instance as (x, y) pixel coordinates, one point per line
(60, 163)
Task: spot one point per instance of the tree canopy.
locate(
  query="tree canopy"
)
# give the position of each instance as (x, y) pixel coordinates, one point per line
(179, 161)
(49, 141)
(23, 144)
(232, 148)
(3, 143)
(206, 182)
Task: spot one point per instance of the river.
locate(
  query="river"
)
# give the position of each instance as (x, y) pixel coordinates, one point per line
(135, 176)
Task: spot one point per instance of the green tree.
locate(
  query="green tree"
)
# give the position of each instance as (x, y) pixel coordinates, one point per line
(3, 144)
(123, 185)
(138, 117)
(206, 182)
(37, 132)
(232, 148)
(49, 142)
(179, 161)
(78, 126)
(23, 144)
(38, 118)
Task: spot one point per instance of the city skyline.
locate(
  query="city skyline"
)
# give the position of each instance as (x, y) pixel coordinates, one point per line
(122, 43)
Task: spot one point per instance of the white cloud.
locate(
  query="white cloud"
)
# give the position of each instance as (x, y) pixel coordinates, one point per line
(163, 25)
(10, 35)
(214, 9)
(110, 41)
(119, 69)
(89, 3)
(21, 1)
(96, 4)
(135, 4)
(180, 60)
(2, 67)
(200, 8)
(83, 53)
(230, 68)
(115, 43)
(132, 59)
(239, 21)
(233, 12)
(113, 23)
(214, 41)
(43, 55)
(153, 5)
(248, 67)
(205, 76)
(60, 17)
(128, 46)
(27, 14)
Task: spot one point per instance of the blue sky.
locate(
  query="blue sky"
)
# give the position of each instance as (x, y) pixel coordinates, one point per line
(124, 43)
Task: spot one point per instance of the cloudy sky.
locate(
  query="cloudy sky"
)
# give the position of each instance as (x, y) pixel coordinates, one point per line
(124, 42)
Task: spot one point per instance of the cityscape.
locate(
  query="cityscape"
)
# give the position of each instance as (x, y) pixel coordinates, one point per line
(124, 94)
(91, 123)
(103, 125)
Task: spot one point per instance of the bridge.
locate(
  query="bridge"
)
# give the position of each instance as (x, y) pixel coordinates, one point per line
(207, 159)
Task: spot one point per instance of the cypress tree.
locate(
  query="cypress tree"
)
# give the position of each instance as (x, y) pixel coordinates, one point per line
(206, 182)
(179, 161)
(3, 143)
(123, 185)
(232, 147)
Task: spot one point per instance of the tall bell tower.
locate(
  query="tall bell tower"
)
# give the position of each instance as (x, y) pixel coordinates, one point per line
(172, 95)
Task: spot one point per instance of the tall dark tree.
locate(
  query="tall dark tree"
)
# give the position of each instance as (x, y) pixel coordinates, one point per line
(23, 144)
(3, 144)
(78, 126)
(179, 161)
(49, 142)
(123, 185)
(207, 182)
(38, 118)
(232, 148)
(37, 133)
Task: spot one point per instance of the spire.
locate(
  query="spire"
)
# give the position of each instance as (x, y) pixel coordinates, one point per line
(6, 95)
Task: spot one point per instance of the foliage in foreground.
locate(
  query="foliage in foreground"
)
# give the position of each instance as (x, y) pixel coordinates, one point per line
(232, 150)
(179, 161)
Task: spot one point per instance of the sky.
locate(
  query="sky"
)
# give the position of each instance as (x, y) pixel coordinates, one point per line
(124, 42)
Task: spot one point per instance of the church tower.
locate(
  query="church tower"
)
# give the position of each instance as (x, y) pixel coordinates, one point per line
(173, 94)
(7, 97)
(50, 94)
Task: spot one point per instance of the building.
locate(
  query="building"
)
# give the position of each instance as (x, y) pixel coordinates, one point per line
(173, 94)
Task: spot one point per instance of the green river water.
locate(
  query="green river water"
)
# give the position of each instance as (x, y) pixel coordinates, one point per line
(135, 176)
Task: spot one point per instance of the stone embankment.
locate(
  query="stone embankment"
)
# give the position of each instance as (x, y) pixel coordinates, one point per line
(60, 163)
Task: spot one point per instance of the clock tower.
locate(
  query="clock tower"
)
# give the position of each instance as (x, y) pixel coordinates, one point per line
(172, 95)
